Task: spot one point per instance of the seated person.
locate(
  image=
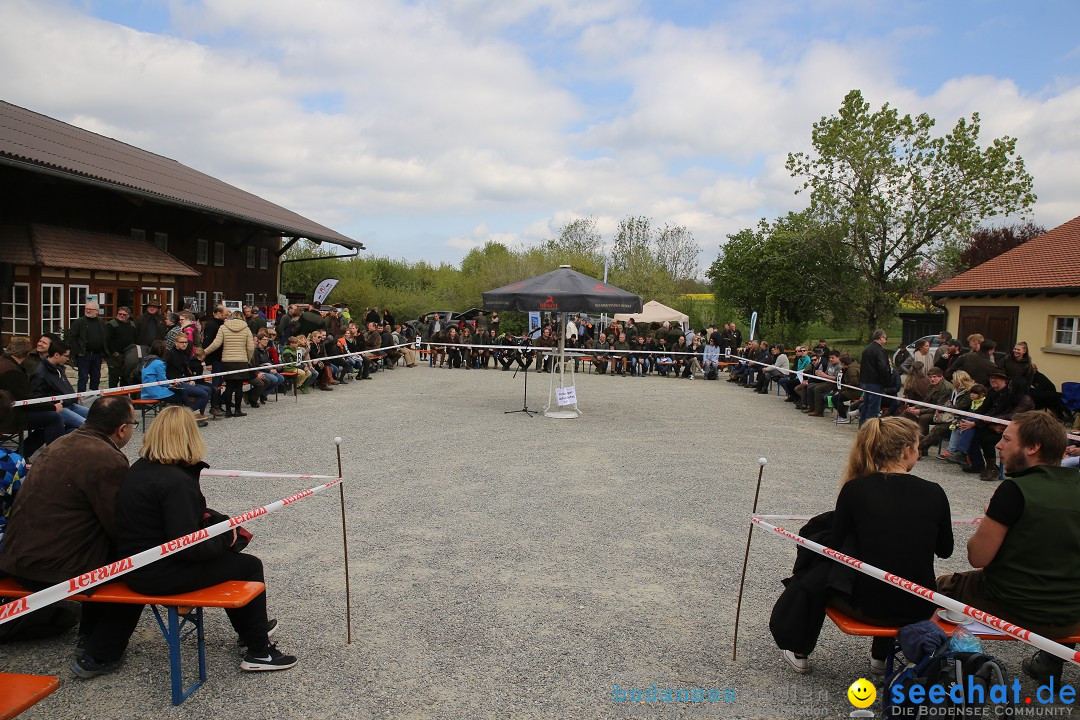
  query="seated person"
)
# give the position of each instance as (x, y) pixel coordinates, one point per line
(180, 365)
(42, 420)
(849, 366)
(878, 493)
(620, 358)
(711, 363)
(154, 370)
(802, 365)
(73, 485)
(1005, 399)
(602, 357)
(50, 379)
(160, 500)
(1027, 547)
(816, 391)
(779, 359)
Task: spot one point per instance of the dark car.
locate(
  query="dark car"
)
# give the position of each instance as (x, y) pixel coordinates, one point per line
(447, 317)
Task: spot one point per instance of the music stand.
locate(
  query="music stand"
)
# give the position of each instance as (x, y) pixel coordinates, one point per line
(525, 400)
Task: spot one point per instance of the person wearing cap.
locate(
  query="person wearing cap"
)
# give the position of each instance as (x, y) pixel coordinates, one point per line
(150, 325)
(1005, 399)
(938, 392)
(1026, 549)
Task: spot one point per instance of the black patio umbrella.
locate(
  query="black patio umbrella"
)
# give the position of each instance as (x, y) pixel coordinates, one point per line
(563, 290)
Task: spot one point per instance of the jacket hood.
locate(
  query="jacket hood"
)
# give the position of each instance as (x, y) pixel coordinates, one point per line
(235, 324)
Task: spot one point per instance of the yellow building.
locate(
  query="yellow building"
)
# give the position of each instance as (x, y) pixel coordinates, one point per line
(1030, 294)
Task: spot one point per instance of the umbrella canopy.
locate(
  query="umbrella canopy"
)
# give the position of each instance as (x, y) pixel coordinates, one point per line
(563, 290)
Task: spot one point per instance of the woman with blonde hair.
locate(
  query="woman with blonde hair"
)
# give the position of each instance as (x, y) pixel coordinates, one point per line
(160, 500)
(945, 423)
(891, 519)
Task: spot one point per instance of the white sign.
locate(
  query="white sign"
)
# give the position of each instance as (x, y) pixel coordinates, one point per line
(566, 396)
(323, 289)
(232, 306)
(91, 297)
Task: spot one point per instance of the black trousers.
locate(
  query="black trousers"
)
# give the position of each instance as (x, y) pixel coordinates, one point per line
(105, 627)
(180, 577)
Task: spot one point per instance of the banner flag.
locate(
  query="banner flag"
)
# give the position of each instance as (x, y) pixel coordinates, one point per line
(322, 290)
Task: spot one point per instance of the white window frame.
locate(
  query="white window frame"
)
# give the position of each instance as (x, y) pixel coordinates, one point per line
(200, 297)
(264, 258)
(1070, 335)
(202, 251)
(218, 297)
(19, 322)
(249, 298)
(76, 304)
(170, 299)
(251, 256)
(219, 254)
(54, 324)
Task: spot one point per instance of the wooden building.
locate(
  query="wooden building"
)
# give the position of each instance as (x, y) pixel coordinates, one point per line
(82, 214)
(1029, 294)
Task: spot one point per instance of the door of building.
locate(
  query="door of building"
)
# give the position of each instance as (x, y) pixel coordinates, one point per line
(996, 322)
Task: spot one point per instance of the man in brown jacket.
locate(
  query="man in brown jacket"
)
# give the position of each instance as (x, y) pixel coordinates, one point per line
(63, 525)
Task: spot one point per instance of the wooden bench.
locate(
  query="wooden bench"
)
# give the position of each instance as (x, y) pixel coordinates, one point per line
(183, 615)
(291, 374)
(19, 692)
(147, 405)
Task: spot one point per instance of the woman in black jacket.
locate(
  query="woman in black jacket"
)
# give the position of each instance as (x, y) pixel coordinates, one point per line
(878, 495)
(160, 500)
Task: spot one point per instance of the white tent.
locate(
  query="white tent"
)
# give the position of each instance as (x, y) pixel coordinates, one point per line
(654, 311)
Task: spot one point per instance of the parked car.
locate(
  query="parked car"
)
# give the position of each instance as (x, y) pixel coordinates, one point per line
(447, 317)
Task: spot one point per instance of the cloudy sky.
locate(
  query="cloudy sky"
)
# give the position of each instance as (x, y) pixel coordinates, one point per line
(425, 128)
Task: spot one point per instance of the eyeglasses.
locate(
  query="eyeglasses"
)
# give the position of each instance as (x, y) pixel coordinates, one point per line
(133, 423)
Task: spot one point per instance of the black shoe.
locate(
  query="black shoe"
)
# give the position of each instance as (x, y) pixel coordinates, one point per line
(270, 658)
(972, 469)
(87, 667)
(239, 413)
(228, 413)
(1043, 667)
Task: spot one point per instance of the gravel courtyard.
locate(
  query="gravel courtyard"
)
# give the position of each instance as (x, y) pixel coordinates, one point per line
(504, 566)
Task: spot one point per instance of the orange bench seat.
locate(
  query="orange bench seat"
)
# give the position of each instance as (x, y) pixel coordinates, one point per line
(20, 692)
(850, 626)
(184, 615)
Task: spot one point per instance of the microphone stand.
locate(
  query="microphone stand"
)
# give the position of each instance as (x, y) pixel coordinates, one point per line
(525, 401)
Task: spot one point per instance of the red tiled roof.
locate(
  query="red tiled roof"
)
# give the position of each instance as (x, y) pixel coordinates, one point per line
(1050, 261)
(57, 247)
(29, 138)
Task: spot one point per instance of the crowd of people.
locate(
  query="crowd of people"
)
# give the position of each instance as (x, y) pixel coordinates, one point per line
(305, 347)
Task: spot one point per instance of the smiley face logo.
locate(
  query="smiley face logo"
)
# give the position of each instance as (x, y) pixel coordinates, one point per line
(862, 693)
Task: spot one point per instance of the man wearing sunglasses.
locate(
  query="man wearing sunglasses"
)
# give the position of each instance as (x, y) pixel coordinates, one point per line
(71, 490)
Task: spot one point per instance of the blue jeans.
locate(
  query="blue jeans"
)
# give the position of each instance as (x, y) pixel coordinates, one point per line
(196, 396)
(960, 441)
(871, 404)
(272, 380)
(89, 368)
(74, 416)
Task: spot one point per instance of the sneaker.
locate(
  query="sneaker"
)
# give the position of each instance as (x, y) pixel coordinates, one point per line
(268, 659)
(271, 630)
(953, 458)
(86, 667)
(800, 664)
(1043, 667)
(877, 667)
(843, 421)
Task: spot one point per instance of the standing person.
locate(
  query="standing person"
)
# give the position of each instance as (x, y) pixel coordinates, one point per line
(213, 359)
(876, 374)
(372, 316)
(160, 500)
(1026, 549)
(88, 340)
(877, 491)
(150, 325)
(237, 346)
(71, 492)
(493, 323)
(120, 334)
(387, 318)
(312, 320)
(1019, 363)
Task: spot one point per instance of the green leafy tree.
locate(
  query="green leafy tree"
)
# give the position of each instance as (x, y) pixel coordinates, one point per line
(902, 195)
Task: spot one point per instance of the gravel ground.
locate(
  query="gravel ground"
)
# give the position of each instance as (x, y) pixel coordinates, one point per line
(513, 567)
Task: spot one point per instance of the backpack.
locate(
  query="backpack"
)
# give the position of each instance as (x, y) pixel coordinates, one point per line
(945, 668)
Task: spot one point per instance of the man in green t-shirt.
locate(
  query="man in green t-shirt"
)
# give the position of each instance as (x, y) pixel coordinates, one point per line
(1027, 547)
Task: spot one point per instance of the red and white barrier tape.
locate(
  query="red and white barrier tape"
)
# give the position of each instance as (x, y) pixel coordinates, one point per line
(84, 582)
(963, 520)
(948, 603)
(124, 389)
(208, 472)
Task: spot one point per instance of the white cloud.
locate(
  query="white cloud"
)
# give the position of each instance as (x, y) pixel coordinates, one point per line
(519, 114)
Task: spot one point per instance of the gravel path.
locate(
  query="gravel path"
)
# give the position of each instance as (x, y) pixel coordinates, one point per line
(513, 567)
